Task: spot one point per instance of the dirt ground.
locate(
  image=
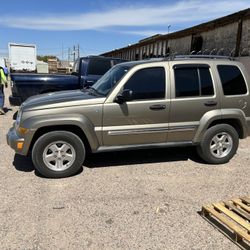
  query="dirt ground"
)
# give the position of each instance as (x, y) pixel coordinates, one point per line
(147, 199)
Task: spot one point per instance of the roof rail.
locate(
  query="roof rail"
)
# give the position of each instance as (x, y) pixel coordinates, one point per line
(202, 56)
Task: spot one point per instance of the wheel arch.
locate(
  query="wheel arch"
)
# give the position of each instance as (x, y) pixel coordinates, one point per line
(233, 117)
(235, 123)
(78, 124)
(69, 128)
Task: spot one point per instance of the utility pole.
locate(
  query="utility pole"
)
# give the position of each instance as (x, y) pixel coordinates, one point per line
(78, 51)
(69, 54)
(169, 26)
(62, 51)
(74, 52)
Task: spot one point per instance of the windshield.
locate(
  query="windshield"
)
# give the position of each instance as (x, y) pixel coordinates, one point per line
(110, 79)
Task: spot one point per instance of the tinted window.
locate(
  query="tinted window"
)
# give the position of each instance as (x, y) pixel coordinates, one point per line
(206, 82)
(98, 66)
(193, 81)
(232, 80)
(147, 83)
(186, 82)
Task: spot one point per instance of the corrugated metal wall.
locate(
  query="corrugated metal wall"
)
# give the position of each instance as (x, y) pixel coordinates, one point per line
(228, 35)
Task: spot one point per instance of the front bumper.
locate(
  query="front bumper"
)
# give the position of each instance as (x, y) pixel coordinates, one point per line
(15, 100)
(13, 139)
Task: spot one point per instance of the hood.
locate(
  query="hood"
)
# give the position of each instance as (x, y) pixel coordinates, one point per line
(61, 99)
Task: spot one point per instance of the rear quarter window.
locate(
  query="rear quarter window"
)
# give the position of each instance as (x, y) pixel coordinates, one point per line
(232, 80)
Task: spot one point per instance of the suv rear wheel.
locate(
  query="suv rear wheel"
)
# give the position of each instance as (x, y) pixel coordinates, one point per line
(58, 154)
(219, 144)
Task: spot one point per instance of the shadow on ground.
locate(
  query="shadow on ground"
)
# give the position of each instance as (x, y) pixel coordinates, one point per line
(135, 157)
(23, 163)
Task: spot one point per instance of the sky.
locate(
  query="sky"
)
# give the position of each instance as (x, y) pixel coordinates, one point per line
(98, 26)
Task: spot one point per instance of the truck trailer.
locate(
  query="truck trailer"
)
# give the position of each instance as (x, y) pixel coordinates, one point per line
(22, 57)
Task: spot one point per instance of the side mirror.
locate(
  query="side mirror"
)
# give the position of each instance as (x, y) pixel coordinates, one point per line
(126, 95)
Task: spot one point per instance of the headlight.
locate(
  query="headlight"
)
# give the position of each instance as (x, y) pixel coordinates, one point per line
(22, 131)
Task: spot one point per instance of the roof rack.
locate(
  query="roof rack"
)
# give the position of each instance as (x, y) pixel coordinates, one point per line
(172, 57)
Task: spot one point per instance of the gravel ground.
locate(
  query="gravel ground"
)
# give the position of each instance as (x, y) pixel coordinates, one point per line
(146, 199)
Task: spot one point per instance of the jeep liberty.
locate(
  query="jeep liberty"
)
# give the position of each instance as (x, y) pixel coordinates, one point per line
(187, 100)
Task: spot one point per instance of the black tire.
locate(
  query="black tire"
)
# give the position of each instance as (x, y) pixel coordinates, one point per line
(58, 136)
(204, 148)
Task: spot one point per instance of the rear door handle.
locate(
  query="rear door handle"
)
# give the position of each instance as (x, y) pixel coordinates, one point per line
(210, 103)
(157, 107)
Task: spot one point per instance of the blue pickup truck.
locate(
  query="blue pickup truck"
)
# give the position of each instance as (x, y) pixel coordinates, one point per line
(86, 71)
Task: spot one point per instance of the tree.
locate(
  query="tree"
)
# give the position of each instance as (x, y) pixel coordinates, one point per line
(46, 57)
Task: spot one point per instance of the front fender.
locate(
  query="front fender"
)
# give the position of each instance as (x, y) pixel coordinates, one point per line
(78, 120)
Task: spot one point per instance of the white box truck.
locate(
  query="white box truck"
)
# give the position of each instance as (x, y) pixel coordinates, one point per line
(22, 57)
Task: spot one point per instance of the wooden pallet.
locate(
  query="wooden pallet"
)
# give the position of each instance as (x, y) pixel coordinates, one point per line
(233, 215)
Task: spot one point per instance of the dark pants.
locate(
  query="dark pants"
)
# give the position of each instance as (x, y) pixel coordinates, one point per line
(1, 96)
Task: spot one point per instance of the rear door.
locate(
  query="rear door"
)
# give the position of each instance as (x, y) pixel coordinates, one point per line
(193, 94)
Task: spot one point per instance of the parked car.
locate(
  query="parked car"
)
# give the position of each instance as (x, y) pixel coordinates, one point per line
(186, 101)
(86, 71)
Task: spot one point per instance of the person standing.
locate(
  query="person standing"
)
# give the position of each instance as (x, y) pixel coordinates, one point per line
(3, 81)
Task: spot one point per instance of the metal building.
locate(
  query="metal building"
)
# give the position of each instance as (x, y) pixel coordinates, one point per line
(229, 35)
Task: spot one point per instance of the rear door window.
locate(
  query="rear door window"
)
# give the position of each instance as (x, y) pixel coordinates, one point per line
(206, 82)
(98, 66)
(232, 80)
(193, 81)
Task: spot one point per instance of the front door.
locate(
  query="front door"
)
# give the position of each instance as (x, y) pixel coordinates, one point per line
(144, 118)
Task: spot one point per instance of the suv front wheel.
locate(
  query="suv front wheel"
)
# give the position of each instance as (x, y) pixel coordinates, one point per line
(58, 154)
(219, 144)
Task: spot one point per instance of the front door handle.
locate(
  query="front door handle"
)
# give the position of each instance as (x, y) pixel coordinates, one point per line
(157, 107)
(210, 103)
